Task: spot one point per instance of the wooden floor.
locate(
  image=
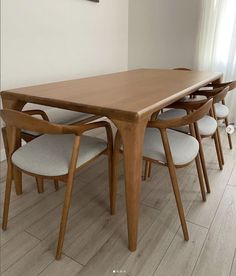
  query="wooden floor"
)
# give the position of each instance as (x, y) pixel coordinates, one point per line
(96, 243)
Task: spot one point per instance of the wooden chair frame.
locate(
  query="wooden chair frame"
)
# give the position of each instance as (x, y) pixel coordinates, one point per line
(27, 137)
(19, 120)
(162, 125)
(218, 95)
(214, 86)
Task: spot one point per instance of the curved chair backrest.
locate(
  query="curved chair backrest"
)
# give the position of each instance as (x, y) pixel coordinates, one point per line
(21, 120)
(232, 85)
(185, 120)
(218, 97)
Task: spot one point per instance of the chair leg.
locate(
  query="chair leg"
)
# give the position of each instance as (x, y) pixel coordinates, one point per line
(150, 169)
(229, 136)
(217, 146)
(178, 200)
(172, 171)
(40, 184)
(113, 188)
(17, 180)
(146, 170)
(56, 184)
(7, 196)
(65, 212)
(200, 177)
(203, 162)
(220, 145)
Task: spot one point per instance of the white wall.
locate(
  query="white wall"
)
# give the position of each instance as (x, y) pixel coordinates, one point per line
(50, 40)
(162, 33)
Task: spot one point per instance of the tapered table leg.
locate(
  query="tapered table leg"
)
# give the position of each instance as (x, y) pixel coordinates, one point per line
(132, 134)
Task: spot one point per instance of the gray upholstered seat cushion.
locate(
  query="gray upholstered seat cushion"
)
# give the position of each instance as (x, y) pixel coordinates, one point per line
(222, 111)
(184, 148)
(61, 116)
(206, 125)
(50, 155)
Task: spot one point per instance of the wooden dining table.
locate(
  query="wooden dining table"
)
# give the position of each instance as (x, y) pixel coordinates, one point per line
(128, 99)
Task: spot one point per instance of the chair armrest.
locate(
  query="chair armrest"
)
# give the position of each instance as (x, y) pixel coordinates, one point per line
(37, 112)
(95, 125)
(208, 93)
(182, 121)
(188, 105)
(231, 84)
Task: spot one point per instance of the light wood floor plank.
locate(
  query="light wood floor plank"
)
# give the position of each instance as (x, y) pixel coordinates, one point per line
(181, 256)
(34, 262)
(232, 180)
(33, 214)
(203, 214)
(86, 245)
(16, 248)
(65, 267)
(50, 222)
(161, 189)
(154, 244)
(114, 252)
(219, 248)
(233, 268)
(78, 223)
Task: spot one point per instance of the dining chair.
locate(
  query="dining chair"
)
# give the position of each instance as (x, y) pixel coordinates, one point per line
(54, 115)
(167, 147)
(57, 154)
(207, 127)
(221, 109)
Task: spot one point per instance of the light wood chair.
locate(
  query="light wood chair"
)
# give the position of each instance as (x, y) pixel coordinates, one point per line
(173, 149)
(56, 116)
(207, 127)
(221, 110)
(56, 154)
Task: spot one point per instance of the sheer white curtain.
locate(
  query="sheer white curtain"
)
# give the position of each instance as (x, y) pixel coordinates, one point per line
(216, 49)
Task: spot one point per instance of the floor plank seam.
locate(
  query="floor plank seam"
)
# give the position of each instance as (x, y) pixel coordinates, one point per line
(209, 230)
(75, 214)
(32, 235)
(231, 268)
(199, 225)
(21, 257)
(45, 215)
(149, 206)
(73, 259)
(46, 267)
(35, 203)
(166, 251)
(200, 252)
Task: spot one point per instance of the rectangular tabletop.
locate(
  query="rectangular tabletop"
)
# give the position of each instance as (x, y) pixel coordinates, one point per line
(125, 96)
